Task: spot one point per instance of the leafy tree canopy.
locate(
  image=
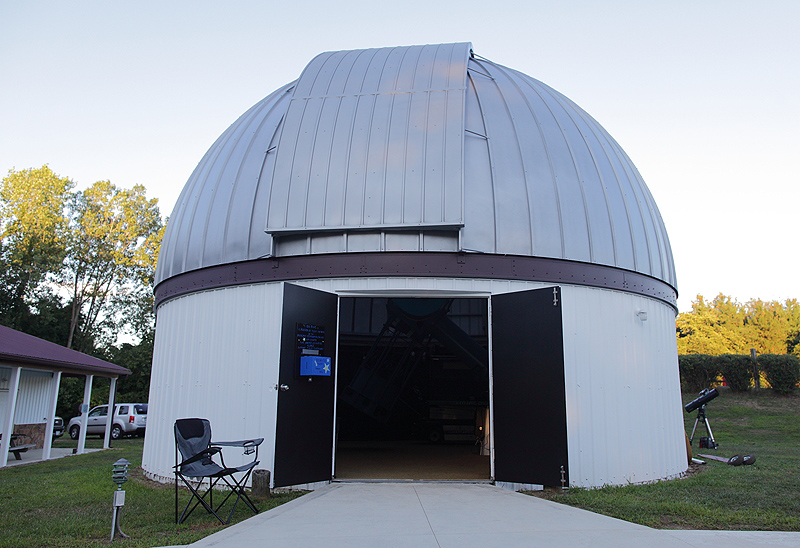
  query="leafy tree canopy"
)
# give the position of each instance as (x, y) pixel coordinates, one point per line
(33, 231)
(725, 326)
(111, 253)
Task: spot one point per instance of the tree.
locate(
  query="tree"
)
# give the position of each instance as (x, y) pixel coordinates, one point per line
(139, 359)
(793, 337)
(769, 325)
(724, 326)
(793, 344)
(112, 248)
(33, 238)
(712, 328)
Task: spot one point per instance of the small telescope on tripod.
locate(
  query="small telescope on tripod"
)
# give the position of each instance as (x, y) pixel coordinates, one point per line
(700, 405)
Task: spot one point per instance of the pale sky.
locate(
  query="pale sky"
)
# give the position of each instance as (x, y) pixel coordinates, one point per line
(704, 96)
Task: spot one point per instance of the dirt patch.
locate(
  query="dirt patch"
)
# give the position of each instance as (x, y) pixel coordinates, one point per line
(693, 470)
(670, 522)
(137, 475)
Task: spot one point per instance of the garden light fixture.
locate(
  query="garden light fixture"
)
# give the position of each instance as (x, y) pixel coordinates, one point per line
(119, 475)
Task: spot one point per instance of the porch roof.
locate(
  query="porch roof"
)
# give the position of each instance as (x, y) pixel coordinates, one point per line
(21, 349)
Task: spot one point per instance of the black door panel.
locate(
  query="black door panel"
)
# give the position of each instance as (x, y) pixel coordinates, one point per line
(530, 420)
(304, 432)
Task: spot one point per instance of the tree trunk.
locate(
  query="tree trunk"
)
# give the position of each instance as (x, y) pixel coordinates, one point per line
(75, 313)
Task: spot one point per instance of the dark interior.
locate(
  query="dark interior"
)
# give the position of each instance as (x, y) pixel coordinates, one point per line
(413, 389)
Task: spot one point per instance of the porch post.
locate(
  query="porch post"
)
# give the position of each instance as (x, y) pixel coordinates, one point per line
(87, 398)
(11, 407)
(55, 382)
(112, 391)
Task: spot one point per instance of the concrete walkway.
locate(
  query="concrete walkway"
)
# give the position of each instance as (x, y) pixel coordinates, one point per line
(32, 456)
(454, 515)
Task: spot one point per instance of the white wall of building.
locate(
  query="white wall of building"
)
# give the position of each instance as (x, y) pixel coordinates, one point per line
(5, 375)
(217, 353)
(34, 395)
(624, 411)
(216, 356)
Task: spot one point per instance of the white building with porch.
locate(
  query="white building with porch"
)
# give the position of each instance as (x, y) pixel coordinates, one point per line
(30, 375)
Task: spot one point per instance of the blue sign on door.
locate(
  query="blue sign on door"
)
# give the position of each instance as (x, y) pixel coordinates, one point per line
(315, 365)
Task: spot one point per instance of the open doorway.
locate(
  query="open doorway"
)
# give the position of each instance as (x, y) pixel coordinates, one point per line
(412, 389)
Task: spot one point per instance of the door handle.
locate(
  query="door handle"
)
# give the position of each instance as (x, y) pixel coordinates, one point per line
(282, 388)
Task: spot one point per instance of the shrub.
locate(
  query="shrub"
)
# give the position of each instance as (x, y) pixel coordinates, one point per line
(737, 370)
(781, 371)
(698, 371)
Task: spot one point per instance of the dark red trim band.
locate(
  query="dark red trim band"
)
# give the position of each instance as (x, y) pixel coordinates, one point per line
(449, 265)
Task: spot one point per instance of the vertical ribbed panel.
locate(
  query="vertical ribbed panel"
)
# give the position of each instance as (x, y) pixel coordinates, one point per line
(34, 397)
(215, 357)
(373, 138)
(543, 178)
(3, 404)
(419, 148)
(624, 414)
(215, 218)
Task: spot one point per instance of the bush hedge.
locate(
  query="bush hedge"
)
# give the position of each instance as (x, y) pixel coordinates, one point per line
(782, 371)
(737, 371)
(698, 371)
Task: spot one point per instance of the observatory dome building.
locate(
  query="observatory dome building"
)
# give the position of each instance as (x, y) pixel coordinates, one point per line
(420, 256)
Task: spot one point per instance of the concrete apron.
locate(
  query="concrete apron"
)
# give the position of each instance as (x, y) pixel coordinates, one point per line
(32, 456)
(445, 515)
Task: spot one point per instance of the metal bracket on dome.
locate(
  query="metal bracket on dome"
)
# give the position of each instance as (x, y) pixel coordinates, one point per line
(291, 231)
(476, 134)
(473, 69)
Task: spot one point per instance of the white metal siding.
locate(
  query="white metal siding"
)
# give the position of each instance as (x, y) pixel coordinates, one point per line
(3, 404)
(624, 414)
(216, 356)
(34, 397)
(217, 353)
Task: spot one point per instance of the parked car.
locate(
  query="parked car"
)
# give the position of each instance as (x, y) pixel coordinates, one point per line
(129, 419)
(58, 427)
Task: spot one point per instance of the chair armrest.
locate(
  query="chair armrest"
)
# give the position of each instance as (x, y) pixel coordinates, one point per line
(205, 453)
(239, 443)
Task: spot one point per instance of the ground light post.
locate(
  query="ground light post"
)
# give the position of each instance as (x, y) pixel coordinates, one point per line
(119, 475)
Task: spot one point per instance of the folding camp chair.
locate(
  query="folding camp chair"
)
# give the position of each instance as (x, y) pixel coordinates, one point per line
(193, 441)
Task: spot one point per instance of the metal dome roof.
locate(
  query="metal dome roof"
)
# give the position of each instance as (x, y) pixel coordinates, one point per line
(421, 148)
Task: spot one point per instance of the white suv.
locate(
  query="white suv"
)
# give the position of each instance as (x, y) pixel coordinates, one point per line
(130, 419)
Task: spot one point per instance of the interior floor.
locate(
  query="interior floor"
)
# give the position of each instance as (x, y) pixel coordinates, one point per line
(410, 460)
(413, 389)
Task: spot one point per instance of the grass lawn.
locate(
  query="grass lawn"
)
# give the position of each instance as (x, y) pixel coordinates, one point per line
(66, 502)
(764, 496)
